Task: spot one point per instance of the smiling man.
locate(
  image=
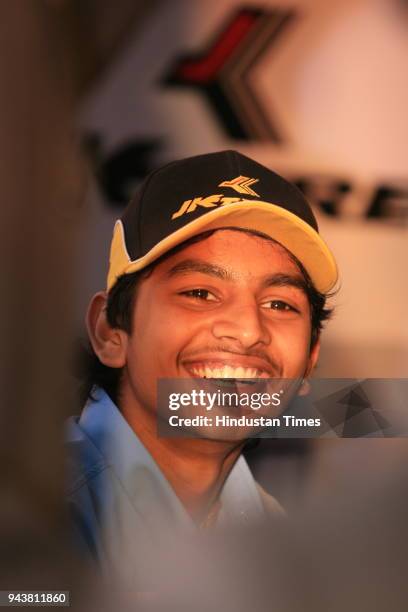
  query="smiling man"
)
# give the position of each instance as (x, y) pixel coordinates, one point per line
(217, 271)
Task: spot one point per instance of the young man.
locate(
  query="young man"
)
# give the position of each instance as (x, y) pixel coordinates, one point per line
(217, 270)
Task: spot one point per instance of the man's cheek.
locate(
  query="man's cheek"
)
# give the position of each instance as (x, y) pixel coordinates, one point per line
(292, 349)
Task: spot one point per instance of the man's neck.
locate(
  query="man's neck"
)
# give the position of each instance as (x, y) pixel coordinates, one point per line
(195, 468)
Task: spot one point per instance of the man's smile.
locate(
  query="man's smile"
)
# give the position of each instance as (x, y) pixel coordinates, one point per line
(226, 371)
(228, 365)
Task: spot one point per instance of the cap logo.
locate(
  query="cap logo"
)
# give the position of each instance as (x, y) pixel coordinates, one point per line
(211, 201)
(241, 184)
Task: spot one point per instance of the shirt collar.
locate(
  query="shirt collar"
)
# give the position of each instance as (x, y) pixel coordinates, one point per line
(148, 490)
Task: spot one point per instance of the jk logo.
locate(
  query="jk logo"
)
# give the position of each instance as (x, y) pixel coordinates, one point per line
(211, 201)
(241, 184)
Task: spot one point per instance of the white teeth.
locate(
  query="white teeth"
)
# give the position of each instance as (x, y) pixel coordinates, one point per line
(228, 371)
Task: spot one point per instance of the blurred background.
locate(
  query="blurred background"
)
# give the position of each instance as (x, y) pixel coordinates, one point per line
(96, 93)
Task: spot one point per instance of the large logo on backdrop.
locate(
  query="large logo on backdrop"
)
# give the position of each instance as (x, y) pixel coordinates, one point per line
(221, 72)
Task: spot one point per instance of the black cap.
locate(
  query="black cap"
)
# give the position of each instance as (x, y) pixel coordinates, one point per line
(223, 189)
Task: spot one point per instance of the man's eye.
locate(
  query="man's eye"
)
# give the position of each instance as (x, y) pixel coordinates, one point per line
(200, 294)
(279, 305)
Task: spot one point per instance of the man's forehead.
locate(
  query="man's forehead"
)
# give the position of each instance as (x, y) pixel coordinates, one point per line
(229, 254)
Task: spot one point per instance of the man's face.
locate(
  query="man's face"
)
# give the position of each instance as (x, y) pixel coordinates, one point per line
(230, 306)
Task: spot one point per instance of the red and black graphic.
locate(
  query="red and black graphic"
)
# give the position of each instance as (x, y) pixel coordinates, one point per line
(221, 72)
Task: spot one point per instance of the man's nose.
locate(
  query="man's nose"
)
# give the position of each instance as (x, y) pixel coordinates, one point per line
(242, 323)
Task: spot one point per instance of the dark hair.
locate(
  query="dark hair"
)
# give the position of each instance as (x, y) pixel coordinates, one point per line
(121, 300)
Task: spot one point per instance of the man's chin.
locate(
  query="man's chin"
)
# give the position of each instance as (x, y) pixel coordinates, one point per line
(226, 434)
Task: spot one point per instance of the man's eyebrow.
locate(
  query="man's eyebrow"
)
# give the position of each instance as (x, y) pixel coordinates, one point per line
(196, 265)
(286, 280)
(274, 280)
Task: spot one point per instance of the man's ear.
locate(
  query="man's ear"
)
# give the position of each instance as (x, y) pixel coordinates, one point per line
(108, 343)
(312, 361)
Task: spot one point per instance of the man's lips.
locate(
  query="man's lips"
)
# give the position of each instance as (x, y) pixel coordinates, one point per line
(228, 366)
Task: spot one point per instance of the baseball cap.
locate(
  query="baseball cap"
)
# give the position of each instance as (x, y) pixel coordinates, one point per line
(218, 190)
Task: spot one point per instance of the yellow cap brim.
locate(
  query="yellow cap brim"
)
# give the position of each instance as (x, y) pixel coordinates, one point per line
(288, 229)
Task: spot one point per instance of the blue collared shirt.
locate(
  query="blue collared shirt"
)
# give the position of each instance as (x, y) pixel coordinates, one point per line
(121, 502)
